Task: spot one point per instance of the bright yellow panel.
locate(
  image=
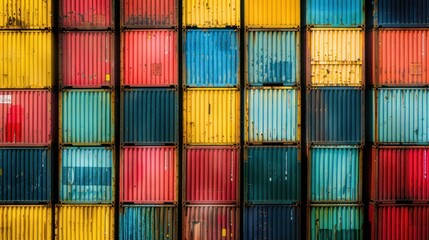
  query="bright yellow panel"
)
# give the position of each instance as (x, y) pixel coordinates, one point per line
(25, 14)
(211, 13)
(272, 13)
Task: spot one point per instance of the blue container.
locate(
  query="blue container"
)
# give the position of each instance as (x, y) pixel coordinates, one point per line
(150, 116)
(336, 13)
(406, 13)
(25, 175)
(212, 58)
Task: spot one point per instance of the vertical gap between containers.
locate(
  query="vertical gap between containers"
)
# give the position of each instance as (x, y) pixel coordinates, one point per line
(55, 115)
(303, 87)
(242, 113)
(117, 105)
(180, 127)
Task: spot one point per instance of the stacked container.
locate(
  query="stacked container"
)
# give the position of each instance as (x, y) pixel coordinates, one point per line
(335, 118)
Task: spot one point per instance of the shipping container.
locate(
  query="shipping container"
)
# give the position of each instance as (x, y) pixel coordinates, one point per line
(149, 58)
(36, 14)
(25, 117)
(25, 175)
(26, 59)
(336, 13)
(29, 222)
(272, 14)
(212, 175)
(335, 57)
(335, 115)
(91, 14)
(328, 221)
(86, 117)
(273, 115)
(211, 222)
(411, 13)
(149, 13)
(335, 174)
(272, 222)
(211, 58)
(148, 175)
(211, 116)
(82, 222)
(211, 14)
(87, 59)
(150, 116)
(148, 222)
(87, 175)
(273, 57)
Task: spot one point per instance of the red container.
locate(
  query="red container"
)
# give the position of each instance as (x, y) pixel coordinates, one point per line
(212, 175)
(87, 59)
(400, 174)
(148, 175)
(149, 58)
(211, 222)
(149, 13)
(25, 117)
(88, 14)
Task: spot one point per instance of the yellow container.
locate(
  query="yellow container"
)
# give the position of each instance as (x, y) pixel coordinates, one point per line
(211, 116)
(336, 57)
(25, 59)
(81, 222)
(211, 13)
(272, 13)
(26, 222)
(25, 14)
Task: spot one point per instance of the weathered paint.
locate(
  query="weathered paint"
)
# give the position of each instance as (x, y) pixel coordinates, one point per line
(411, 13)
(149, 13)
(272, 13)
(25, 59)
(86, 117)
(211, 58)
(150, 58)
(272, 115)
(150, 116)
(148, 222)
(336, 13)
(148, 175)
(89, 14)
(25, 175)
(335, 57)
(212, 175)
(87, 175)
(211, 14)
(211, 116)
(273, 58)
(87, 59)
(36, 14)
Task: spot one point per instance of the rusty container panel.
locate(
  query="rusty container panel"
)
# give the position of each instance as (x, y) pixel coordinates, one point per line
(211, 14)
(211, 222)
(336, 13)
(150, 58)
(148, 175)
(404, 14)
(35, 14)
(149, 13)
(87, 59)
(212, 175)
(272, 13)
(89, 14)
(25, 117)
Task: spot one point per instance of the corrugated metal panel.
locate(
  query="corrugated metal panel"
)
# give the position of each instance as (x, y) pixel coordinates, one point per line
(148, 222)
(335, 115)
(86, 117)
(150, 58)
(149, 13)
(25, 14)
(402, 116)
(25, 117)
(148, 174)
(336, 57)
(336, 222)
(25, 59)
(272, 14)
(335, 174)
(334, 13)
(273, 115)
(25, 175)
(212, 58)
(272, 175)
(211, 222)
(212, 175)
(211, 14)
(273, 58)
(29, 222)
(211, 116)
(86, 14)
(87, 59)
(411, 13)
(272, 222)
(150, 116)
(87, 175)
(82, 222)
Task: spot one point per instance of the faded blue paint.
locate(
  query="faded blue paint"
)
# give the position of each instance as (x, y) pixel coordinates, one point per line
(336, 13)
(406, 13)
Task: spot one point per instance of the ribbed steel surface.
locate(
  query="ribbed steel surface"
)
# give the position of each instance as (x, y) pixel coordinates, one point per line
(411, 13)
(149, 13)
(335, 13)
(25, 14)
(89, 14)
(211, 14)
(211, 58)
(272, 13)
(273, 58)
(150, 116)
